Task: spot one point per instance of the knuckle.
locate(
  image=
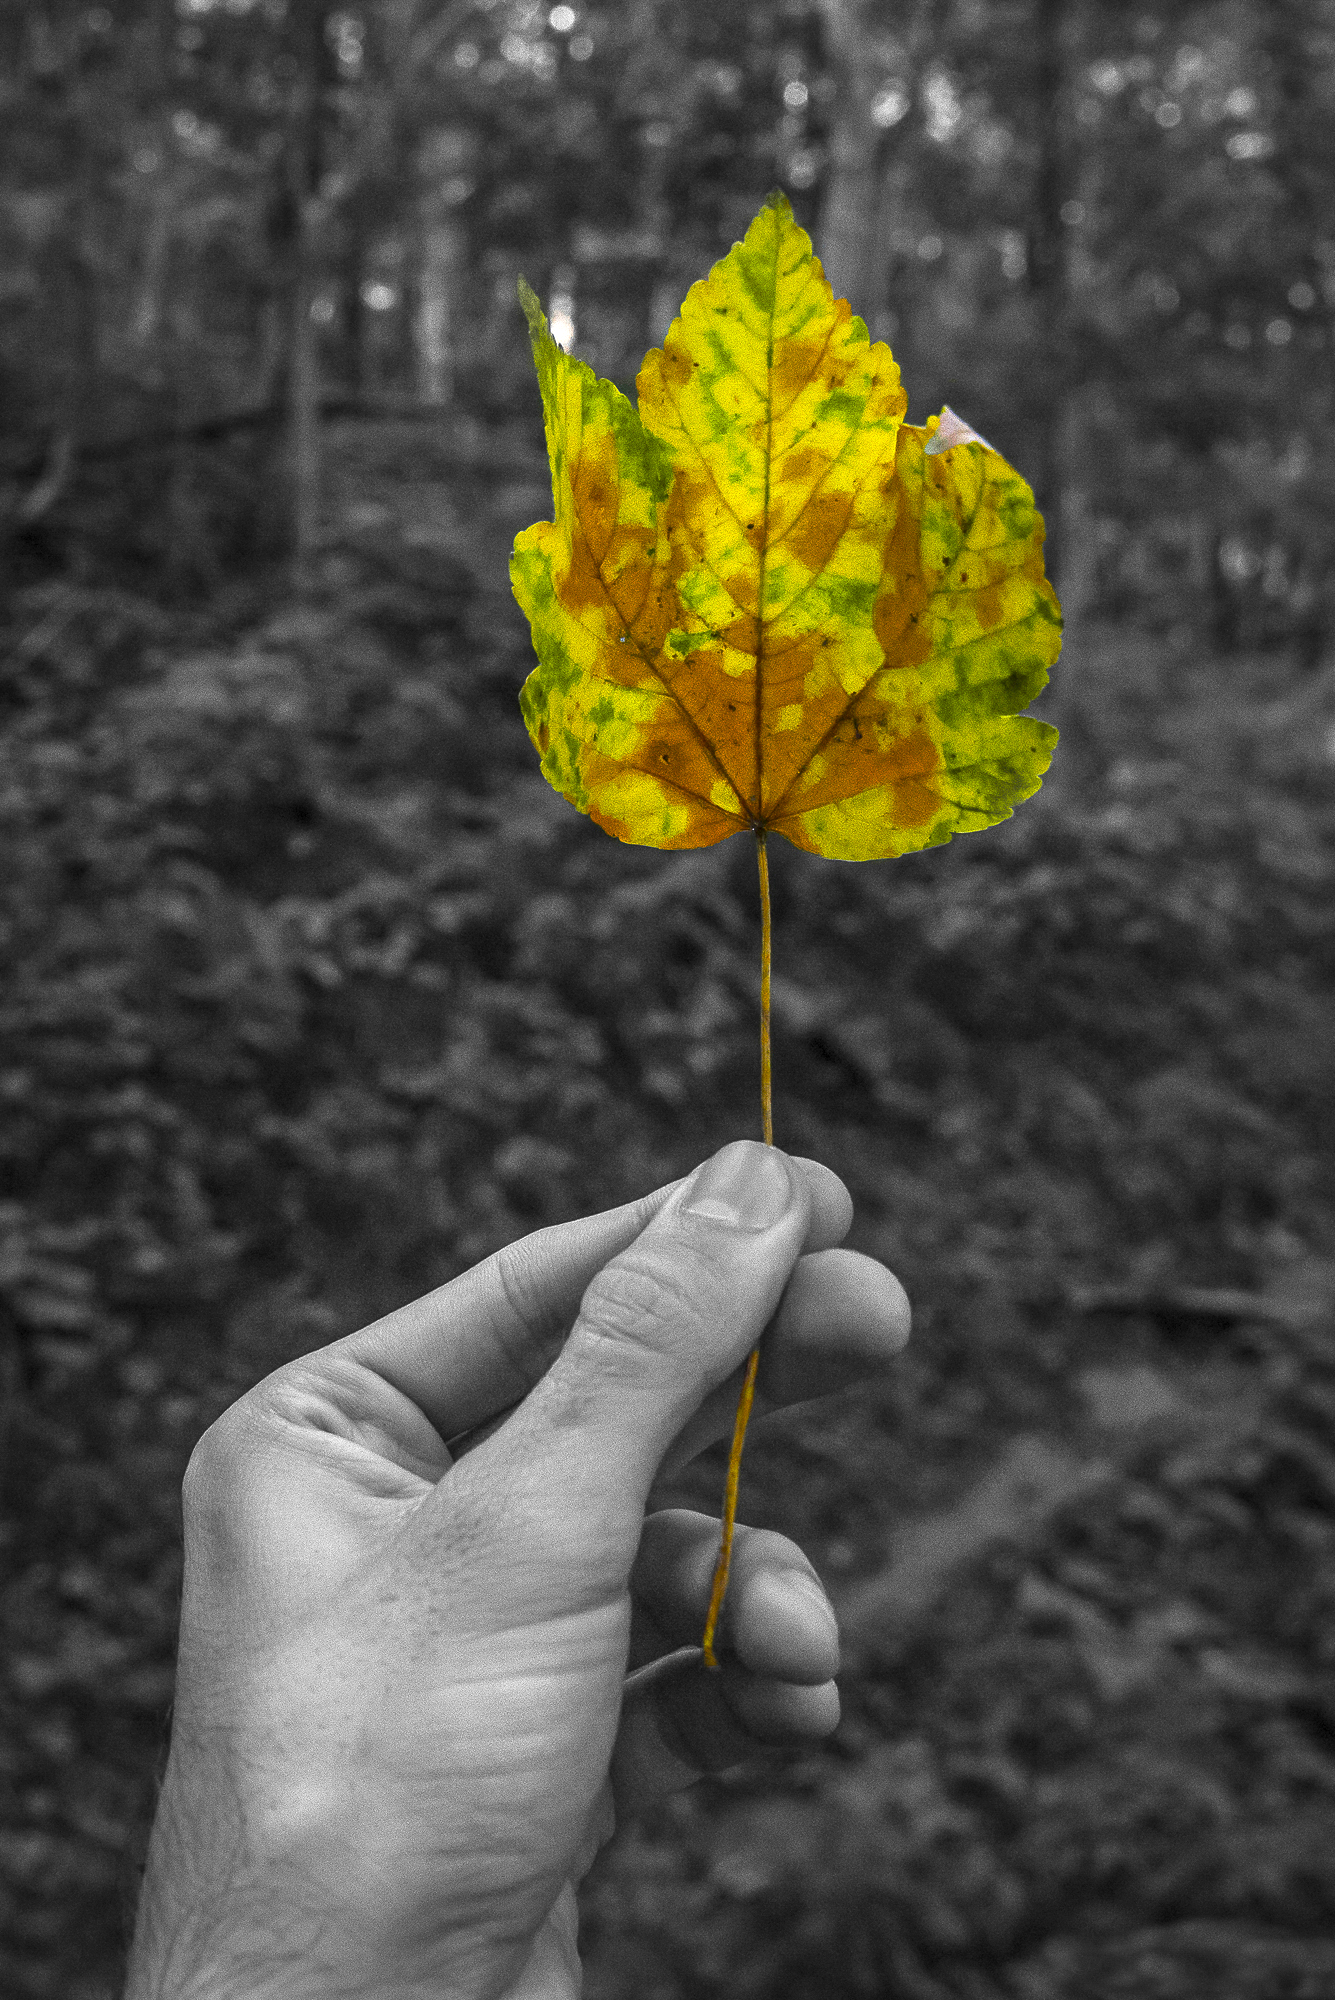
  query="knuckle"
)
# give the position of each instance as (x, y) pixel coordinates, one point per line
(637, 1296)
(207, 1469)
(217, 1473)
(523, 1332)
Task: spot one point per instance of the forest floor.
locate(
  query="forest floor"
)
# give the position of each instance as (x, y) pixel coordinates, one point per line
(318, 994)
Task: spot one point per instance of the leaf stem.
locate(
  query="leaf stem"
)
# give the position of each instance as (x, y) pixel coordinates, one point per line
(766, 1104)
(719, 1587)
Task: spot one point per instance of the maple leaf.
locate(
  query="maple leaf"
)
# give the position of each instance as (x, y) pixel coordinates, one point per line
(764, 601)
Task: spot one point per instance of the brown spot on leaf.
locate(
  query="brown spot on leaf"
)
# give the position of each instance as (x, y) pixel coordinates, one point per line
(691, 512)
(988, 607)
(795, 362)
(804, 465)
(742, 586)
(676, 365)
(897, 620)
(742, 635)
(916, 804)
(815, 533)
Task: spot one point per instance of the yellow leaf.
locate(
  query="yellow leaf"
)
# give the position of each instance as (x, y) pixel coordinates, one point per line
(764, 602)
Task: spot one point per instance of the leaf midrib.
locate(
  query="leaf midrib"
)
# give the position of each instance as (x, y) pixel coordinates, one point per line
(758, 818)
(758, 815)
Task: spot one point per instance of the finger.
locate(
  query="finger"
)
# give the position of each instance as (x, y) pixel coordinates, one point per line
(552, 1968)
(679, 1725)
(659, 1327)
(777, 1620)
(477, 1345)
(843, 1318)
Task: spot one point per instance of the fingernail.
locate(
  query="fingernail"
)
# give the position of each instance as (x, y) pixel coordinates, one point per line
(746, 1186)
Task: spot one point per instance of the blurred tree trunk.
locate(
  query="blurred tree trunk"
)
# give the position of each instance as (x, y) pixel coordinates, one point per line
(1065, 200)
(353, 279)
(70, 278)
(160, 319)
(441, 249)
(1048, 244)
(869, 170)
(445, 154)
(900, 164)
(1295, 35)
(153, 276)
(297, 238)
(848, 210)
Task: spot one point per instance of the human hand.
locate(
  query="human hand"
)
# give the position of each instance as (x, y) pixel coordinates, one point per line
(403, 1724)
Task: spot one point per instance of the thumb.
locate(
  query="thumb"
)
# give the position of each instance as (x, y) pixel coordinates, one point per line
(660, 1326)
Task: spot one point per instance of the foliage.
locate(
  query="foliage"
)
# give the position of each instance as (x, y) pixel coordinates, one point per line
(761, 602)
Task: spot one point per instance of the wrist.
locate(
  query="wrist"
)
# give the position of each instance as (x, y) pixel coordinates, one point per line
(289, 1902)
(211, 1924)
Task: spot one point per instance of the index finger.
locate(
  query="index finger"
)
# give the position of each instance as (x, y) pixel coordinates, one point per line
(475, 1346)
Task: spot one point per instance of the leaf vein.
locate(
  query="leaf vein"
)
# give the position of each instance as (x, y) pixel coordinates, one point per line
(653, 665)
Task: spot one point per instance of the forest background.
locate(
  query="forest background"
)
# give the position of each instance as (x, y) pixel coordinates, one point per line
(312, 992)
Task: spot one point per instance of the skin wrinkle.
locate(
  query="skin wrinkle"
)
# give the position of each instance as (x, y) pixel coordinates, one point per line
(536, 1339)
(639, 1215)
(464, 1441)
(629, 1293)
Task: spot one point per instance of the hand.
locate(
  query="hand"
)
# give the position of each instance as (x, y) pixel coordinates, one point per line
(403, 1724)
